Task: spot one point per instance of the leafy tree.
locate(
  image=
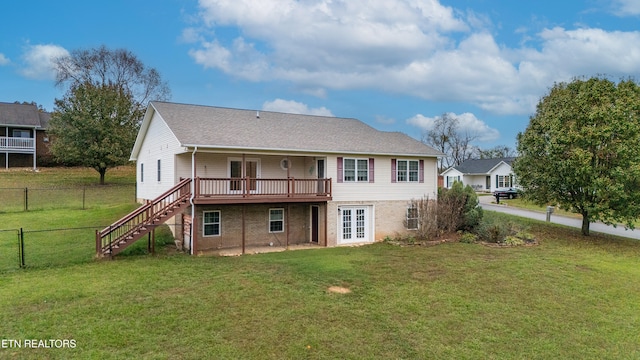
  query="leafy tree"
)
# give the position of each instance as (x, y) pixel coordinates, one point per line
(94, 126)
(96, 122)
(581, 151)
(499, 151)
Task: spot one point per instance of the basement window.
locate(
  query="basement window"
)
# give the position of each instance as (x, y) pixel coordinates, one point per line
(276, 220)
(211, 223)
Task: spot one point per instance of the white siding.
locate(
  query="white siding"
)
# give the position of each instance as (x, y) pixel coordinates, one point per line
(502, 169)
(477, 182)
(159, 144)
(215, 165)
(451, 176)
(382, 188)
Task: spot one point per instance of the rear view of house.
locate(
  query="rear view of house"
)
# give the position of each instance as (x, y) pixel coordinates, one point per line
(245, 178)
(22, 135)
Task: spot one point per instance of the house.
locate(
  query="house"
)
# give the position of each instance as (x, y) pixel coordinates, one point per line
(245, 178)
(481, 174)
(23, 135)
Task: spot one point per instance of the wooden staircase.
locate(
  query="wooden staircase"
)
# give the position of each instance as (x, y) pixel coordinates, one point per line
(124, 232)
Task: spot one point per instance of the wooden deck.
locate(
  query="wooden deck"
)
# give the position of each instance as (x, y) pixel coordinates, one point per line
(252, 190)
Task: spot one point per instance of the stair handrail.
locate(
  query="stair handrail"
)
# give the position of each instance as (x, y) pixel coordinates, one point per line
(179, 187)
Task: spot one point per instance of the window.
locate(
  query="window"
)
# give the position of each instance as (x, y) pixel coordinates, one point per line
(141, 172)
(20, 133)
(356, 170)
(451, 180)
(407, 170)
(276, 220)
(284, 164)
(412, 218)
(211, 223)
(504, 181)
(158, 170)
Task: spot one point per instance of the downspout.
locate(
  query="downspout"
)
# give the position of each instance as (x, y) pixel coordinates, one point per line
(193, 194)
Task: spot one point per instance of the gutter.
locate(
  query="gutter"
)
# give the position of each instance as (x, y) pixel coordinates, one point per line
(193, 194)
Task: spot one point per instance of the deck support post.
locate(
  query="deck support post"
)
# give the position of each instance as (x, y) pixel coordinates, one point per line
(286, 219)
(243, 230)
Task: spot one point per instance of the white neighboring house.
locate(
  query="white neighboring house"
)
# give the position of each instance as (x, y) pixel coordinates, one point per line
(482, 174)
(245, 178)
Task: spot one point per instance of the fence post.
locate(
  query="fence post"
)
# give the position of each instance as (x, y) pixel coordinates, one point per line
(21, 247)
(84, 189)
(26, 199)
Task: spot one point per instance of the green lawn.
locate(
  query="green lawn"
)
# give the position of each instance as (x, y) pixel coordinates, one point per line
(568, 298)
(58, 230)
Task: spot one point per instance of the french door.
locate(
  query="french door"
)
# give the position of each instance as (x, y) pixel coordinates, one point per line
(354, 225)
(236, 172)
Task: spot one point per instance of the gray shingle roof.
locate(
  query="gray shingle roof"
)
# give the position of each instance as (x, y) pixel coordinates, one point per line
(481, 166)
(216, 127)
(22, 115)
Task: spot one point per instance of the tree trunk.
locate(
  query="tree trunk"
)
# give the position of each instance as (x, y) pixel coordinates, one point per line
(585, 224)
(102, 172)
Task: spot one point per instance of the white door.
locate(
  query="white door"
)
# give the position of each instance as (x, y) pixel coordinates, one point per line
(354, 225)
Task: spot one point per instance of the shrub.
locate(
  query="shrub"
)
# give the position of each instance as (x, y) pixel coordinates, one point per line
(427, 213)
(513, 241)
(458, 208)
(494, 232)
(468, 238)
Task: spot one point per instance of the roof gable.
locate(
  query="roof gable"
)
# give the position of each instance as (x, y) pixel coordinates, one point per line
(482, 166)
(216, 127)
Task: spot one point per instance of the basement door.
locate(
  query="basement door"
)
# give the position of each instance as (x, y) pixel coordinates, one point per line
(354, 224)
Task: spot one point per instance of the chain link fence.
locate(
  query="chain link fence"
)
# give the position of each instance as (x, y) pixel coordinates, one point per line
(21, 248)
(25, 199)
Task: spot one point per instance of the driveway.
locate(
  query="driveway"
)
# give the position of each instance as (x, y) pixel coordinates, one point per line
(485, 202)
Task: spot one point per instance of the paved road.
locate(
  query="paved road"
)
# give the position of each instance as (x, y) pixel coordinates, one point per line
(485, 202)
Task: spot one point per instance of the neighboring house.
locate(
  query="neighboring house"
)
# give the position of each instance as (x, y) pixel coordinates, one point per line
(23, 138)
(481, 174)
(245, 178)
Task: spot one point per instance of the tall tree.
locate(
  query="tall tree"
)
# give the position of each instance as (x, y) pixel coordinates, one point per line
(580, 150)
(107, 94)
(446, 136)
(120, 67)
(94, 126)
(498, 151)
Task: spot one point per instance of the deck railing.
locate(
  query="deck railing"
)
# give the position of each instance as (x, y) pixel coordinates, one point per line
(16, 143)
(252, 187)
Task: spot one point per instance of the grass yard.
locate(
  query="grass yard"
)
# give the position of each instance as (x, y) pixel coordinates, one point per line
(55, 197)
(568, 298)
(565, 298)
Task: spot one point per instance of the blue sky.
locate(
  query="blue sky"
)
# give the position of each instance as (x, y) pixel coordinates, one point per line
(394, 64)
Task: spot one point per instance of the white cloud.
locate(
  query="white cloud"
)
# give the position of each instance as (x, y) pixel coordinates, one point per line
(626, 7)
(294, 107)
(467, 123)
(415, 47)
(4, 60)
(38, 61)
